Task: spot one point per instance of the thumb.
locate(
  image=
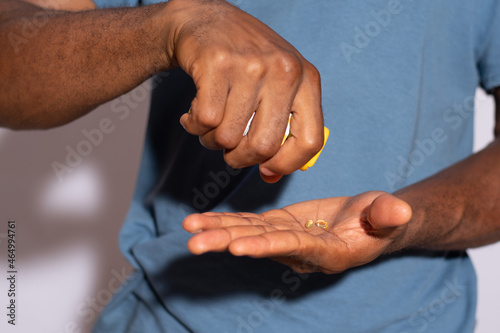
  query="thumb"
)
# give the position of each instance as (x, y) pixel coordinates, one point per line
(387, 211)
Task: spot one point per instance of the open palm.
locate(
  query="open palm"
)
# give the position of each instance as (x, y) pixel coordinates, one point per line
(360, 228)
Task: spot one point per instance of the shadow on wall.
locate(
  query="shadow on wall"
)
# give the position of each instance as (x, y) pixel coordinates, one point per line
(69, 190)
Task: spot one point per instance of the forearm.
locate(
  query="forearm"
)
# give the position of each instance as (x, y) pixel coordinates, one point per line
(74, 62)
(457, 208)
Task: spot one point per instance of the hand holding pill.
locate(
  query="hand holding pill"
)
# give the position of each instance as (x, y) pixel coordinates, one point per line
(326, 235)
(240, 68)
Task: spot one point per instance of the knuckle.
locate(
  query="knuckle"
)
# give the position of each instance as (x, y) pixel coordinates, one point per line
(255, 68)
(221, 59)
(264, 146)
(225, 139)
(313, 143)
(289, 65)
(313, 75)
(207, 118)
(196, 69)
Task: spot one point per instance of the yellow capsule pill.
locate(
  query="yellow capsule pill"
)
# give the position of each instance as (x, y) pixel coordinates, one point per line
(322, 224)
(309, 224)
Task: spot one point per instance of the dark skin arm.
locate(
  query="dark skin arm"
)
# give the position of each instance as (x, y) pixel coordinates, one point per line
(460, 208)
(75, 61)
(453, 210)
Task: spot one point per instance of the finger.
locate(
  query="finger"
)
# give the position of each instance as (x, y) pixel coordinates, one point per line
(269, 176)
(264, 136)
(268, 127)
(207, 108)
(387, 211)
(306, 130)
(197, 222)
(241, 103)
(217, 240)
(275, 244)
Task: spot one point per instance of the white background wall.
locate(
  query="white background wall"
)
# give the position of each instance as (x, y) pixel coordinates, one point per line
(485, 258)
(68, 260)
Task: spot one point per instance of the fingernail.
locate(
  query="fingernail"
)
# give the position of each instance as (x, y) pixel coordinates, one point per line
(268, 173)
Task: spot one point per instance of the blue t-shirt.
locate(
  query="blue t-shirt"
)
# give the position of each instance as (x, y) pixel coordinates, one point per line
(398, 85)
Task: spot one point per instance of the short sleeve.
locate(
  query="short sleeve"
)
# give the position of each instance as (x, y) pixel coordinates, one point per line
(488, 43)
(115, 3)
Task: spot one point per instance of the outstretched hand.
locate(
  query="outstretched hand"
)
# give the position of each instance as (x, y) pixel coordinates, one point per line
(241, 66)
(360, 228)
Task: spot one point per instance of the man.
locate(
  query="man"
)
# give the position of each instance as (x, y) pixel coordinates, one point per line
(398, 86)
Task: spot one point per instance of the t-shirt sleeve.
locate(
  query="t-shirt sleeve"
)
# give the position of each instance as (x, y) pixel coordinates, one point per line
(488, 43)
(115, 3)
